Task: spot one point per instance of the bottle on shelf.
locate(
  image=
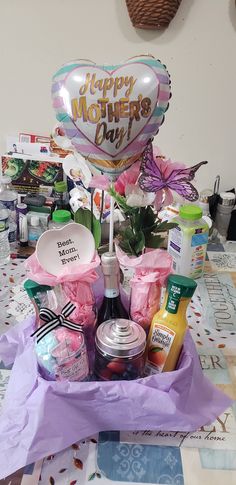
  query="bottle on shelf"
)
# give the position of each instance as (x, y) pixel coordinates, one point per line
(61, 196)
(4, 242)
(34, 230)
(59, 219)
(38, 295)
(112, 306)
(223, 213)
(168, 326)
(203, 203)
(22, 223)
(8, 197)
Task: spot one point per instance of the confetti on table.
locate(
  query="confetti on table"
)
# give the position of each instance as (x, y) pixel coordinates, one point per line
(222, 261)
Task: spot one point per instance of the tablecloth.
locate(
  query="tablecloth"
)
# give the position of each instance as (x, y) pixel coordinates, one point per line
(207, 456)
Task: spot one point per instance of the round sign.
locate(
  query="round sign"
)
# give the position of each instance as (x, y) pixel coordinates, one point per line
(58, 249)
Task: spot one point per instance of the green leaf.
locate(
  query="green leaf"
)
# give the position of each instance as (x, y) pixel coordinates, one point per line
(137, 220)
(140, 244)
(155, 349)
(83, 216)
(125, 246)
(153, 241)
(148, 216)
(128, 233)
(92, 476)
(121, 201)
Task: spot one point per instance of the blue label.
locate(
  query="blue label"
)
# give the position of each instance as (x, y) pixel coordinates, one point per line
(9, 204)
(33, 237)
(199, 239)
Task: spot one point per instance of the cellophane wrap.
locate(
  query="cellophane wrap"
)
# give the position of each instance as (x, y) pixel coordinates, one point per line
(150, 273)
(42, 417)
(76, 282)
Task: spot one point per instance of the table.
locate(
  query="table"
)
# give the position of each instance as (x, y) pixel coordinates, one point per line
(207, 456)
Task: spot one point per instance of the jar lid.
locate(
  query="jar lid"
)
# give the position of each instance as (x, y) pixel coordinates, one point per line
(227, 198)
(181, 285)
(21, 205)
(120, 338)
(5, 179)
(190, 212)
(61, 216)
(60, 186)
(205, 195)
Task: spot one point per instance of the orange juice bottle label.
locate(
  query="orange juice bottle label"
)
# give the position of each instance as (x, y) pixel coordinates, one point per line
(159, 347)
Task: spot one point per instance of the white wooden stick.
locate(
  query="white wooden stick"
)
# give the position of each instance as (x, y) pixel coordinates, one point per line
(111, 228)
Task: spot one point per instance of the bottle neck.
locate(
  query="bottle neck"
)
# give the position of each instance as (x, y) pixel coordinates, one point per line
(111, 285)
(174, 306)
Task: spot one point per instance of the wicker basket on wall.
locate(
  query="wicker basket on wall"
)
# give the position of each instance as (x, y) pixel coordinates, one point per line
(152, 14)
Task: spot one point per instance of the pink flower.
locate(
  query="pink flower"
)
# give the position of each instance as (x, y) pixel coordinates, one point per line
(136, 197)
(167, 166)
(128, 177)
(157, 152)
(164, 176)
(101, 182)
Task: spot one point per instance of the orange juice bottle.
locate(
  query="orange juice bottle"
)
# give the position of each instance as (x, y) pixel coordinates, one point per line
(169, 325)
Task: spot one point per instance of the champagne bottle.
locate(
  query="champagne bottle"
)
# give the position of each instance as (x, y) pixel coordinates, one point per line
(112, 306)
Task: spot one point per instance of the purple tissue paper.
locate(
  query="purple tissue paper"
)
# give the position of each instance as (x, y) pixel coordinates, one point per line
(43, 417)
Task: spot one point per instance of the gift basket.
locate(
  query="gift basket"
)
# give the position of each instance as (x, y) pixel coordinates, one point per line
(94, 357)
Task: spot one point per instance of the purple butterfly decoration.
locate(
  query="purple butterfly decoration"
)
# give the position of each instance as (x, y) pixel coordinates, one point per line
(152, 179)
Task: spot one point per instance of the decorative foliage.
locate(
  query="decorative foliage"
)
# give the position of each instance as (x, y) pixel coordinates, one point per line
(141, 191)
(143, 227)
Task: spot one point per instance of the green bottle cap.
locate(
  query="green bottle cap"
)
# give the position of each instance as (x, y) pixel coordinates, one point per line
(33, 288)
(178, 287)
(60, 186)
(61, 216)
(190, 212)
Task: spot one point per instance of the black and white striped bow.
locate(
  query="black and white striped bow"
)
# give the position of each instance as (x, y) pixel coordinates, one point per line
(53, 321)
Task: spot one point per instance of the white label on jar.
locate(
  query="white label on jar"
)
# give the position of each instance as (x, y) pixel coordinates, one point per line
(174, 245)
(76, 369)
(175, 241)
(159, 348)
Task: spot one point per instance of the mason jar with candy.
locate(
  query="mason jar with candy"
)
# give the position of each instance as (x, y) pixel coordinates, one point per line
(60, 347)
(119, 350)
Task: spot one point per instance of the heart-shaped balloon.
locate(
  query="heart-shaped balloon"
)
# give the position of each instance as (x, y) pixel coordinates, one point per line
(110, 112)
(58, 249)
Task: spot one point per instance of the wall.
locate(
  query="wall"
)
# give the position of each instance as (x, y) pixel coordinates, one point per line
(36, 37)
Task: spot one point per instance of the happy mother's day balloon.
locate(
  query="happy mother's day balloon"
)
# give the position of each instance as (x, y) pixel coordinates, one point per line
(110, 112)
